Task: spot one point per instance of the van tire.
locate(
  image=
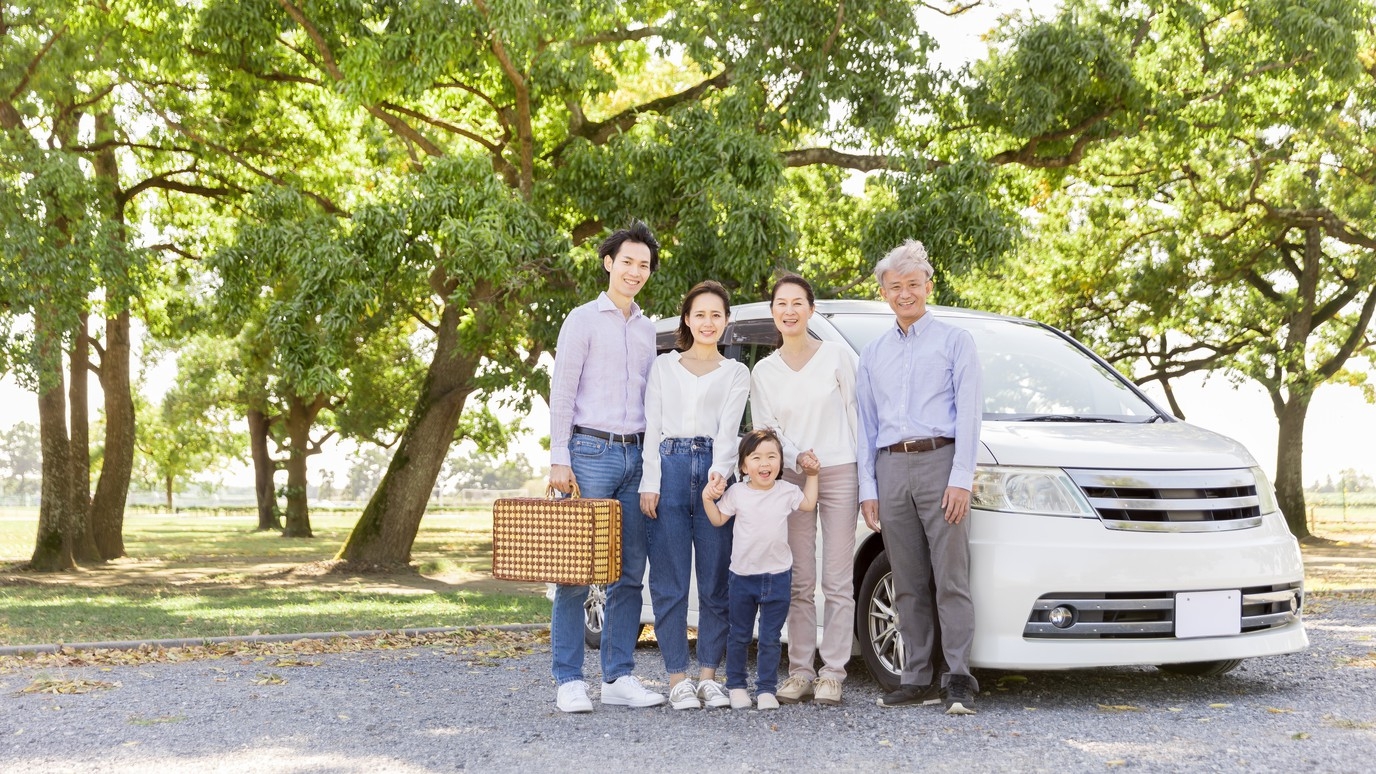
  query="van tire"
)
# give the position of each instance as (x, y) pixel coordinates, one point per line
(1201, 668)
(594, 614)
(876, 626)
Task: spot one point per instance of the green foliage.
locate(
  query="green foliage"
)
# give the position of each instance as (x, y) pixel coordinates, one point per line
(192, 431)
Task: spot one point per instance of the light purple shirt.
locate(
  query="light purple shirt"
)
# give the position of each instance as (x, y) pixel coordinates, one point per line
(926, 383)
(600, 368)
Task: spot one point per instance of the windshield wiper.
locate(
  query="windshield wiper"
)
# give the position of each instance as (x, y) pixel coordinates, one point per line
(1068, 418)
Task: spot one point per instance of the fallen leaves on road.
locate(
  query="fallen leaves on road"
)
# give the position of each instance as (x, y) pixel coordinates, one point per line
(269, 678)
(46, 684)
(1118, 708)
(475, 647)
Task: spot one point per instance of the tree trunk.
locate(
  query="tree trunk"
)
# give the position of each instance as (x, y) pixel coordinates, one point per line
(264, 469)
(300, 416)
(167, 483)
(1289, 459)
(112, 489)
(387, 529)
(52, 551)
(84, 545)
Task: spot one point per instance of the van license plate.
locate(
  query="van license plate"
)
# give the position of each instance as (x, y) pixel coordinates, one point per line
(1208, 613)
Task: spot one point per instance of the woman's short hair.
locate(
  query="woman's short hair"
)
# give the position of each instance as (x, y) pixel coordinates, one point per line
(684, 339)
(904, 259)
(751, 441)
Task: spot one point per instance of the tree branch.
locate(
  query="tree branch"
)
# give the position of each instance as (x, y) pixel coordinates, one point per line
(864, 162)
(525, 133)
(32, 67)
(448, 127)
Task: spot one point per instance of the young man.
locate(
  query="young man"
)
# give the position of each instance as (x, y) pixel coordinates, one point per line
(920, 400)
(597, 426)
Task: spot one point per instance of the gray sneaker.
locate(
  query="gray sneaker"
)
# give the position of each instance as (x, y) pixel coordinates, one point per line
(684, 696)
(712, 695)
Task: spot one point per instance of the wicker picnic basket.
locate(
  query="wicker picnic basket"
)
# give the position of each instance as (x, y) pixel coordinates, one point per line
(573, 541)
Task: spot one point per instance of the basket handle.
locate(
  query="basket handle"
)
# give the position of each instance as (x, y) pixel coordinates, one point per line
(550, 492)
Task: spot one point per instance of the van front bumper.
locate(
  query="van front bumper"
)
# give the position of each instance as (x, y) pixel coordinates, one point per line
(1023, 565)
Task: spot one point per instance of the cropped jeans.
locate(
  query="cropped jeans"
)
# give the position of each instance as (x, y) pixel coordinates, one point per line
(767, 594)
(604, 470)
(681, 537)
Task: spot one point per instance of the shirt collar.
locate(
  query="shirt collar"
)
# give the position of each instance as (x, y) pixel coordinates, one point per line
(923, 323)
(605, 304)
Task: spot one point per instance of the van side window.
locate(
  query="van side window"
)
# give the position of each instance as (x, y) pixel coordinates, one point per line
(751, 341)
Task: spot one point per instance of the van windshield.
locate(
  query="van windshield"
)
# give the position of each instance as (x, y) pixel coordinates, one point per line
(1030, 373)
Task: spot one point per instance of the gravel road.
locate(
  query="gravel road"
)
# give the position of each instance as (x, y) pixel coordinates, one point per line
(487, 705)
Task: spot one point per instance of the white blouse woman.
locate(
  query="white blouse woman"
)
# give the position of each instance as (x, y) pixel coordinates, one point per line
(693, 406)
(805, 392)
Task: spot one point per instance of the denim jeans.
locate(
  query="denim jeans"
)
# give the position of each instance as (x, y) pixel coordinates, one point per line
(681, 537)
(767, 594)
(604, 470)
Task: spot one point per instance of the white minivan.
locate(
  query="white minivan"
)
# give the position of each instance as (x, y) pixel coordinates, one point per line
(1103, 531)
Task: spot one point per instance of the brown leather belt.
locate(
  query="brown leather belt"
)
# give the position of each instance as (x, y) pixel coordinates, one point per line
(919, 445)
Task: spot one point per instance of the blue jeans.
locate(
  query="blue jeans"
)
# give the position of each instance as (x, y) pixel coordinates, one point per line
(680, 537)
(604, 470)
(767, 594)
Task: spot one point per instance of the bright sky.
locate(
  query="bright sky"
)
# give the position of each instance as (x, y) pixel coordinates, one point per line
(1339, 425)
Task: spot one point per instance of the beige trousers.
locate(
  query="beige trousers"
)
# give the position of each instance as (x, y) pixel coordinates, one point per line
(837, 510)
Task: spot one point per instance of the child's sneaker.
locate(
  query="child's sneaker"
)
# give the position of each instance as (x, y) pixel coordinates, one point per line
(766, 701)
(711, 694)
(794, 689)
(740, 698)
(684, 696)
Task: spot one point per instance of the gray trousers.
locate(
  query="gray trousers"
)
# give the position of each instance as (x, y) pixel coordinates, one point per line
(922, 546)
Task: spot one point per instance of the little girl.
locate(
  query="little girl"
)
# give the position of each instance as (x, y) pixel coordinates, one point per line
(761, 563)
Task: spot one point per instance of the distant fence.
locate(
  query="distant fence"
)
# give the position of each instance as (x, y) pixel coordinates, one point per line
(1330, 511)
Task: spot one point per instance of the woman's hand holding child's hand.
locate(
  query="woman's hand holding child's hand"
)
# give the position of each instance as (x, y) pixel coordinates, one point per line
(809, 463)
(716, 487)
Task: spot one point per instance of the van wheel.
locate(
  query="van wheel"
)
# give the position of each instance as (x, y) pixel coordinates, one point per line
(593, 611)
(877, 624)
(1201, 668)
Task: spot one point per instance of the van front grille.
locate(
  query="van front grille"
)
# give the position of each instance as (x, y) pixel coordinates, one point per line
(1151, 614)
(1172, 500)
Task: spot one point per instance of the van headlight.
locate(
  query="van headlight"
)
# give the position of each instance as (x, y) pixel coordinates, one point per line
(1042, 491)
(1266, 494)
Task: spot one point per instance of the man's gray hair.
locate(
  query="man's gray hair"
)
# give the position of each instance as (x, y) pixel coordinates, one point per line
(904, 259)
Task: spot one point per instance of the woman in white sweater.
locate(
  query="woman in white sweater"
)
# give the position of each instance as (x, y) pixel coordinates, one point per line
(693, 405)
(805, 392)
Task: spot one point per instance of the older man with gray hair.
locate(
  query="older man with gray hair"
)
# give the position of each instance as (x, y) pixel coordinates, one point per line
(919, 397)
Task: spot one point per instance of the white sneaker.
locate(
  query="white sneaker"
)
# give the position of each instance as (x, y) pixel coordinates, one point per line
(573, 697)
(740, 698)
(684, 696)
(711, 694)
(766, 701)
(628, 692)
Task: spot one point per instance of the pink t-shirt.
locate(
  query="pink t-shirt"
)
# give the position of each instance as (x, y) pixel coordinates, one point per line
(759, 541)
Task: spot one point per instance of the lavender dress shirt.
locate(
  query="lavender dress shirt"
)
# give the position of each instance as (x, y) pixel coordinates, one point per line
(926, 383)
(600, 369)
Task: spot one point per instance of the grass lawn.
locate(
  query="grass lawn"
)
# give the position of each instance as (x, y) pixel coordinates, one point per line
(206, 576)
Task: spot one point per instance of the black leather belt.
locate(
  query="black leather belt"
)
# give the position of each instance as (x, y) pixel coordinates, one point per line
(634, 439)
(919, 445)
